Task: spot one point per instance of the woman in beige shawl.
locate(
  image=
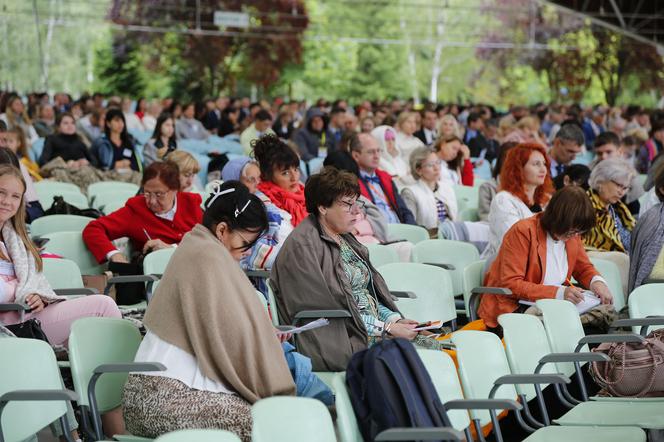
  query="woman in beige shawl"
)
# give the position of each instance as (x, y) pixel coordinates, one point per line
(209, 329)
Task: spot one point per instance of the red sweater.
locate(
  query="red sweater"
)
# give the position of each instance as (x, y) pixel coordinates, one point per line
(135, 217)
(467, 176)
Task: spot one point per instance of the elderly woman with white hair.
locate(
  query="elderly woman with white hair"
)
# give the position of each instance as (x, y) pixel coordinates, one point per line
(611, 237)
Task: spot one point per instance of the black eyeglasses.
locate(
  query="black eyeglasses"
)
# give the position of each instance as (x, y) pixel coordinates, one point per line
(356, 206)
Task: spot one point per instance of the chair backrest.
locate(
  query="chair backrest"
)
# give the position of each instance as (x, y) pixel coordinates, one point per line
(97, 341)
(111, 186)
(274, 313)
(102, 199)
(482, 360)
(473, 276)
(525, 344)
(112, 206)
(347, 427)
(55, 186)
(198, 436)
(155, 262)
(379, 254)
(28, 364)
(62, 273)
(291, 419)
(315, 165)
(431, 285)
(563, 329)
(58, 223)
(443, 372)
(646, 300)
(610, 272)
(444, 251)
(70, 245)
(46, 198)
(408, 232)
(36, 149)
(469, 214)
(467, 196)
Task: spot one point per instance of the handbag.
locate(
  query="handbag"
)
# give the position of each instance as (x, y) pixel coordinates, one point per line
(62, 207)
(635, 369)
(30, 329)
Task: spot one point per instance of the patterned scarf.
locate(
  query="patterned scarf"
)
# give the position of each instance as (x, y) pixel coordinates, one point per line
(291, 202)
(605, 235)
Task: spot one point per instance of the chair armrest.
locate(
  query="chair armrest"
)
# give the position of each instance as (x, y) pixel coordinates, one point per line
(438, 433)
(441, 265)
(78, 291)
(403, 294)
(14, 307)
(39, 395)
(476, 294)
(129, 366)
(315, 314)
(518, 379)
(600, 339)
(644, 323)
(483, 404)
(257, 273)
(491, 291)
(574, 357)
(653, 281)
(128, 278)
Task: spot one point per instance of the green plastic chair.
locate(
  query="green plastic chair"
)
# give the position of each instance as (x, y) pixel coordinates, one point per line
(70, 245)
(408, 232)
(64, 277)
(610, 272)
(58, 223)
(56, 186)
(113, 206)
(103, 346)
(74, 198)
(199, 436)
(380, 254)
(32, 395)
(347, 428)
(101, 200)
(473, 276)
(467, 196)
(155, 264)
(431, 286)
(447, 252)
(587, 434)
(469, 214)
(646, 300)
(111, 186)
(291, 419)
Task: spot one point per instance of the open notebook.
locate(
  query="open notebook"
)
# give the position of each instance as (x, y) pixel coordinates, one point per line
(589, 301)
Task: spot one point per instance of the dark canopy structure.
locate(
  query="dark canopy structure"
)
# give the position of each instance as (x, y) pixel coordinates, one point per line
(640, 19)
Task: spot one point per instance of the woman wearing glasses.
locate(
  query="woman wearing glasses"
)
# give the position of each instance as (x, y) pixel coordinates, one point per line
(323, 266)
(155, 220)
(611, 237)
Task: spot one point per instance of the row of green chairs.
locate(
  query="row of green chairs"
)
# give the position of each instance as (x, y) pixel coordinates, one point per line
(101, 195)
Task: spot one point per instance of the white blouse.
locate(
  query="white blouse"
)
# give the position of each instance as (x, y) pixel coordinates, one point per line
(506, 210)
(179, 364)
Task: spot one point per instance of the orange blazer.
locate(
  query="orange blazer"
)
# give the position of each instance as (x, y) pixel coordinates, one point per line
(521, 265)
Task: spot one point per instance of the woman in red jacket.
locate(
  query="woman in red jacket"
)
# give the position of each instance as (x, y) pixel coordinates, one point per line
(155, 220)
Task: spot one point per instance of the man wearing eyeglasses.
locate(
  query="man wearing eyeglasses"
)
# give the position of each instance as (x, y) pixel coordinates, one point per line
(377, 185)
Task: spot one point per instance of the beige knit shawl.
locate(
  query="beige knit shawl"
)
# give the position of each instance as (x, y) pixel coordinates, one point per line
(206, 306)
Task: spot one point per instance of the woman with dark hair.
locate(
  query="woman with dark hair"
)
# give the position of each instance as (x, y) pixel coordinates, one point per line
(280, 177)
(525, 188)
(66, 144)
(162, 141)
(323, 266)
(456, 167)
(488, 189)
(155, 220)
(229, 122)
(116, 149)
(207, 327)
(539, 255)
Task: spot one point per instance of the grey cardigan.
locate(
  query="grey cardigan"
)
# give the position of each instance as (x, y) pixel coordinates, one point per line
(487, 192)
(308, 274)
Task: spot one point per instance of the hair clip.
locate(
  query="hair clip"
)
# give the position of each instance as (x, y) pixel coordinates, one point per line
(216, 192)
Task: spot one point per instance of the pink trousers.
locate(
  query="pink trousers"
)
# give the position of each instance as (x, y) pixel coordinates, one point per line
(56, 319)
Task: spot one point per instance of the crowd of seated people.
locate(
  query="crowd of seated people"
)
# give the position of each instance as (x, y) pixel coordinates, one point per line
(385, 164)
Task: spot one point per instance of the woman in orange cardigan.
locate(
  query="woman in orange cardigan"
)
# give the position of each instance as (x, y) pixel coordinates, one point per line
(540, 254)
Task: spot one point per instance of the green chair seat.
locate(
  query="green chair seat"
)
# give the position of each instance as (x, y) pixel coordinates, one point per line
(291, 419)
(587, 434)
(198, 436)
(647, 415)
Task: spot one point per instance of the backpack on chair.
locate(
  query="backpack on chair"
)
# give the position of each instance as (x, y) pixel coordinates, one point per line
(390, 388)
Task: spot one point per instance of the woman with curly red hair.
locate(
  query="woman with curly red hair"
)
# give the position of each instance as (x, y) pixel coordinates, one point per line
(525, 188)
